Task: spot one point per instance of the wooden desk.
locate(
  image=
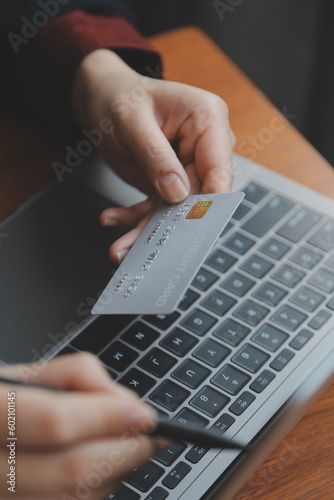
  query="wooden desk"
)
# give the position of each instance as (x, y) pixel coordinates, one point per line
(302, 466)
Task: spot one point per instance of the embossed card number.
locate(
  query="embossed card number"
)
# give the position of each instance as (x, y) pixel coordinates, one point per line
(171, 248)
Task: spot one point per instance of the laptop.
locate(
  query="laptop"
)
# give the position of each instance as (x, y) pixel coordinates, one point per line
(248, 349)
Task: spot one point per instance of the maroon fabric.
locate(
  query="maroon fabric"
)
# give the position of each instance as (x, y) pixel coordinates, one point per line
(53, 56)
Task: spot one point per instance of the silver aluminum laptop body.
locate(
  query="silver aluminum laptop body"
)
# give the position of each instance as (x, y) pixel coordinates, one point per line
(53, 264)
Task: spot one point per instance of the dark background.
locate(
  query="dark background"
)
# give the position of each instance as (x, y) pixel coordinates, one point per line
(285, 46)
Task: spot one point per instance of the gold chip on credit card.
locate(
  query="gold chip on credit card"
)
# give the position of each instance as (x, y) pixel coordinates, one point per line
(199, 210)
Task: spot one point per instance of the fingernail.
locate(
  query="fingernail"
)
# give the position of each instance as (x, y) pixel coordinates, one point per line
(172, 188)
(110, 222)
(122, 254)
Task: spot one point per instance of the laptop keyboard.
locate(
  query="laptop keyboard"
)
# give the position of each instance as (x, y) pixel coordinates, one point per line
(263, 294)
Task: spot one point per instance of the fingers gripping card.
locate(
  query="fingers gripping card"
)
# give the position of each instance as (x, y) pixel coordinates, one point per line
(159, 267)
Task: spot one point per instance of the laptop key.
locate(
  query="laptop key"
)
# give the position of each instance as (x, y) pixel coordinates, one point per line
(162, 321)
(204, 279)
(324, 237)
(330, 304)
(175, 476)
(270, 337)
(170, 453)
(256, 266)
(306, 258)
(254, 193)
(242, 403)
(157, 362)
(274, 248)
(262, 381)
(191, 374)
(251, 313)
(211, 353)
(269, 293)
(301, 339)
(122, 493)
(137, 381)
(323, 279)
(223, 423)
(178, 342)
(228, 226)
(188, 417)
(307, 299)
(143, 478)
(157, 494)
(250, 358)
(140, 336)
(320, 319)
(187, 300)
(282, 360)
(99, 333)
(195, 454)
(169, 395)
(209, 401)
(298, 225)
(288, 275)
(271, 213)
(239, 243)
(221, 261)
(241, 211)
(118, 356)
(218, 302)
(289, 318)
(199, 322)
(231, 332)
(230, 379)
(238, 284)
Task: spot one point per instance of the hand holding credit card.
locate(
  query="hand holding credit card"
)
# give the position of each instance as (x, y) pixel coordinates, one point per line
(157, 270)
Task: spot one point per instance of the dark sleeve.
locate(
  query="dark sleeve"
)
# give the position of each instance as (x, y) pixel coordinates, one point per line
(41, 74)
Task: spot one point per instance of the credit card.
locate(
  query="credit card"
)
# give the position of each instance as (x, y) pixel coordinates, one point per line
(165, 258)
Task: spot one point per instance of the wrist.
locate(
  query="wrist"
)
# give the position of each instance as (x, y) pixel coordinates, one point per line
(101, 70)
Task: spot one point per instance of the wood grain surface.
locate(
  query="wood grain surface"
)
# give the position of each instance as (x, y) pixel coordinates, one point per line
(302, 467)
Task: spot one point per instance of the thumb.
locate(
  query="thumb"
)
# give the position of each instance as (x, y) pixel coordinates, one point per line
(158, 160)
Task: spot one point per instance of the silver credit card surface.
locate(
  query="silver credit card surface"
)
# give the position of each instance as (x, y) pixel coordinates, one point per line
(159, 267)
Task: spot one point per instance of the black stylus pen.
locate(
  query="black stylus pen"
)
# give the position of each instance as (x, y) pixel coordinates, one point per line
(167, 428)
(193, 434)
